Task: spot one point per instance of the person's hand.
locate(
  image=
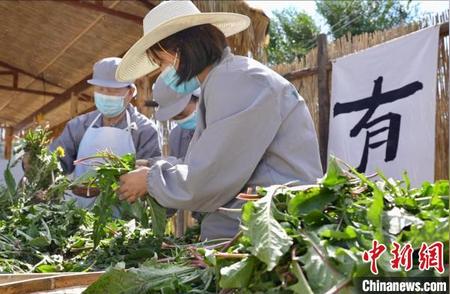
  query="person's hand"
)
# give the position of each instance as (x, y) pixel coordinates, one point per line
(133, 185)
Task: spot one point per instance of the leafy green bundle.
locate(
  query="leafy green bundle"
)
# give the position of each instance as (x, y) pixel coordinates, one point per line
(44, 178)
(108, 168)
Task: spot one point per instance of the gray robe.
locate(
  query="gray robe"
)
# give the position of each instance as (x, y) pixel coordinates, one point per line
(145, 137)
(253, 129)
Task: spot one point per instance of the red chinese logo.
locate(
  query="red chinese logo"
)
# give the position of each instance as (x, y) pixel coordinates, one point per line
(373, 254)
(402, 257)
(432, 257)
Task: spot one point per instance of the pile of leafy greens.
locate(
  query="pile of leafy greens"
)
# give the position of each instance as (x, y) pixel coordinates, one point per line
(41, 232)
(57, 237)
(306, 239)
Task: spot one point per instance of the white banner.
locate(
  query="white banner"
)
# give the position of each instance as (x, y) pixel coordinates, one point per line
(383, 105)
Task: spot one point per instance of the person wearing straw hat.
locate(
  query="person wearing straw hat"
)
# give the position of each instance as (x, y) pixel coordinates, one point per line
(253, 128)
(116, 126)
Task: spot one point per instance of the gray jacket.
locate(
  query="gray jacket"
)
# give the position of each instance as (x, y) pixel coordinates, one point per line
(145, 137)
(253, 129)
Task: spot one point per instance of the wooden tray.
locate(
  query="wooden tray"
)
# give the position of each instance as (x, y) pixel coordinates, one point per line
(46, 283)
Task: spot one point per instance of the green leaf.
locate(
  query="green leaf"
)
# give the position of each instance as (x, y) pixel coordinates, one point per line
(318, 267)
(129, 160)
(46, 268)
(136, 210)
(440, 188)
(39, 242)
(302, 285)
(314, 199)
(48, 235)
(437, 202)
(349, 233)
(237, 275)
(315, 218)
(269, 240)
(375, 213)
(334, 178)
(149, 278)
(159, 216)
(406, 202)
(426, 189)
(406, 180)
(10, 181)
(382, 16)
(428, 232)
(344, 260)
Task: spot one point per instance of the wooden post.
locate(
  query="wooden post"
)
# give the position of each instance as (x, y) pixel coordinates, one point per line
(73, 105)
(9, 133)
(179, 218)
(188, 219)
(141, 94)
(324, 97)
(151, 80)
(179, 223)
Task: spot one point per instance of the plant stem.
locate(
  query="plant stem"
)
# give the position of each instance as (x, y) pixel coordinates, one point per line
(232, 241)
(339, 287)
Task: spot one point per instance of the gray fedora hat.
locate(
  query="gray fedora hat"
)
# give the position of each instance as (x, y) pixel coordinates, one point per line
(104, 72)
(170, 103)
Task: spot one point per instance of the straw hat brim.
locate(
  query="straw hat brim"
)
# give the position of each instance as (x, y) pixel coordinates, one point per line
(136, 63)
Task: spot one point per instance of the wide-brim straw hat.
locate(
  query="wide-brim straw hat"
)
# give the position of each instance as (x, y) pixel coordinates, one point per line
(166, 19)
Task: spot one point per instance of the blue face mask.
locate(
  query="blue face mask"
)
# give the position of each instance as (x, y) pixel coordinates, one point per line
(171, 78)
(109, 106)
(188, 123)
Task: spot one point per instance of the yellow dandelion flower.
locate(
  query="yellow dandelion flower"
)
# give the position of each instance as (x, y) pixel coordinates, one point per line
(60, 151)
